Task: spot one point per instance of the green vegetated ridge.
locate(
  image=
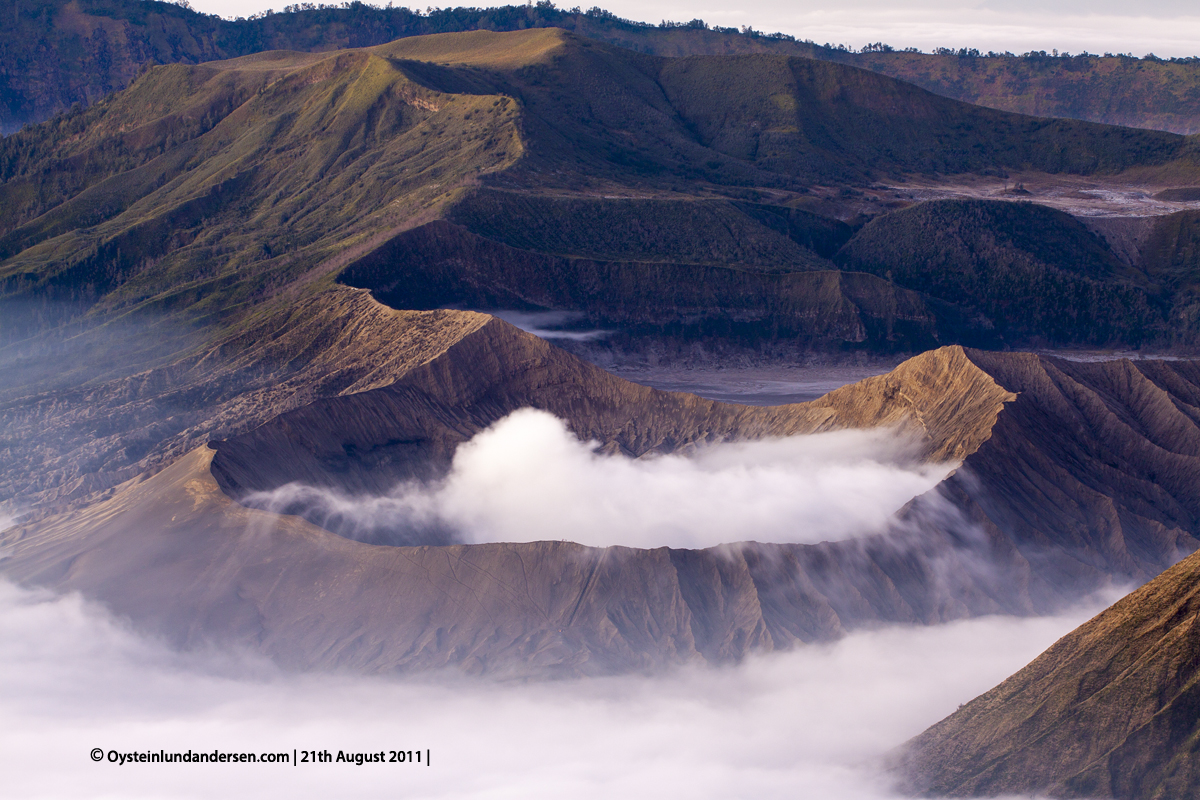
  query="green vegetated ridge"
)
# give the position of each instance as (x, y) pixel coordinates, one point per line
(209, 194)
(1034, 274)
(1110, 710)
(1172, 260)
(1118, 90)
(204, 189)
(1031, 270)
(718, 232)
(62, 52)
(442, 264)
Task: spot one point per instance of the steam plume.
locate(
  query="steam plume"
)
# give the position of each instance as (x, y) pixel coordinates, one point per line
(527, 478)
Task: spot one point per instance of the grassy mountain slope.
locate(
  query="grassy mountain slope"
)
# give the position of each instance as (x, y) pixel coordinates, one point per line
(1030, 270)
(1171, 259)
(63, 52)
(1140, 93)
(440, 264)
(1111, 710)
(779, 121)
(809, 112)
(700, 232)
(223, 195)
(202, 192)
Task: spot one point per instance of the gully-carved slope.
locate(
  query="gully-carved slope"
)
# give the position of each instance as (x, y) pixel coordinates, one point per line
(441, 264)
(207, 568)
(1085, 476)
(1111, 710)
(1090, 474)
(63, 446)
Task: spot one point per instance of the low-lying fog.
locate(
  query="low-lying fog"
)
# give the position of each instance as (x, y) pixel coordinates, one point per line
(527, 478)
(808, 723)
(555, 326)
(755, 385)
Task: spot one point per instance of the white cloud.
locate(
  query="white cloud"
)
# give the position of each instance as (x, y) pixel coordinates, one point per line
(807, 723)
(527, 478)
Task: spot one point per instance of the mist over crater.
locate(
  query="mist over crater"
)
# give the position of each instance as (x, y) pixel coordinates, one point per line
(528, 478)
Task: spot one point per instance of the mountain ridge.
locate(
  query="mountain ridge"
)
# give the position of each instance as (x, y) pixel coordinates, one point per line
(464, 604)
(1103, 522)
(106, 43)
(1108, 711)
(205, 205)
(205, 194)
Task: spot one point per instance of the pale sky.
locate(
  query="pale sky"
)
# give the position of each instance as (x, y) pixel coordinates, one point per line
(1164, 27)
